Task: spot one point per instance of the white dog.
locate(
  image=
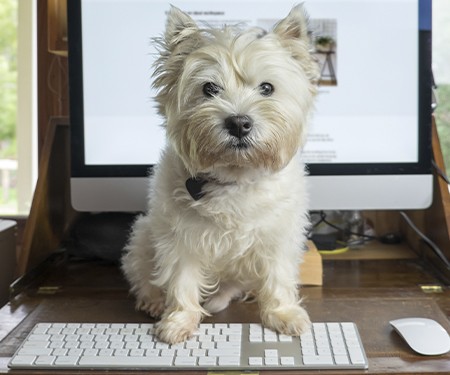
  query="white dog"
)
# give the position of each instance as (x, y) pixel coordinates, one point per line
(227, 205)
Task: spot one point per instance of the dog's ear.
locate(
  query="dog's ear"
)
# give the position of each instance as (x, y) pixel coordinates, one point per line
(180, 27)
(294, 26)
(293, 34)
(182, 36)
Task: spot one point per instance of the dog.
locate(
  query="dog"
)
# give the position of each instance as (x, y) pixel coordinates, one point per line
(227, 209)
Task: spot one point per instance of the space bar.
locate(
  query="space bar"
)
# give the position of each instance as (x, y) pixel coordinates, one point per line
(129, 362)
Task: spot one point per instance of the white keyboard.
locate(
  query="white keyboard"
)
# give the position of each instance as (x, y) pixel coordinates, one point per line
(74, 346)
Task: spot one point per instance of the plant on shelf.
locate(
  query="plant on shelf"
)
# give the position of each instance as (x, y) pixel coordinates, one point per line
(324, 43)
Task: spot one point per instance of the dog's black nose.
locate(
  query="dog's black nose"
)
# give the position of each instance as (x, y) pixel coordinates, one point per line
(239, 126)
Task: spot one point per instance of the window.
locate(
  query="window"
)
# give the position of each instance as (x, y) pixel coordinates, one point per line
(441, 69)
(17, 106)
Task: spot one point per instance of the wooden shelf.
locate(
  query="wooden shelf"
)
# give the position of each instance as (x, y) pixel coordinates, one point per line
(374, 251)
(57, 27)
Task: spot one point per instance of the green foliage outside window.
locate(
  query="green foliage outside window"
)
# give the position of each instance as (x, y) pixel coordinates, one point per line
(443, 122)
(8, 78)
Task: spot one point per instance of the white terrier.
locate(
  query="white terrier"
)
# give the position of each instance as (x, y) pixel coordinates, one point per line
(227, 209)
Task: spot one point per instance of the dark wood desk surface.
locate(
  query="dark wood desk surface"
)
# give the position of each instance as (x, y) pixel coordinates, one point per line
(369, 292)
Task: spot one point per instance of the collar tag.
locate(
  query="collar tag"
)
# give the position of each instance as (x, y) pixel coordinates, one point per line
(194, 187)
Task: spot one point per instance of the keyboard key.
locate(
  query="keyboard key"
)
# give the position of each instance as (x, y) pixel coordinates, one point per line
(323, 350)
(35, 351)
(86, 344)
(185, 361)
(207, 361)
(229, 361)
(125, 362)
(183, 352)
(76, 352)
(339, 350)
(60, 352)
(271, 361)
(213, 331)
(144, 345)
(356, 356)
(219, 338)
(45, 360)
(287, 361)
(132, 345)
(256, 337)
(71, 344)
(271, 353)
(192, 345)
(341, 360)
(66, 361)
(199, 352)
(255, 361)
(152, 352)
(36, 344)
(21, 360)
(91, 352)
(161, 345)
(137, 352)
(39, 338)
(121, 352)
(308, 351)
(234, 338)
(228, 345)
(334, 327)
(317, 360)
(167, 352)
(208, 345)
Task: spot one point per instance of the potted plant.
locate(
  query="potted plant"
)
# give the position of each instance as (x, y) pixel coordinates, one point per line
(324, 43)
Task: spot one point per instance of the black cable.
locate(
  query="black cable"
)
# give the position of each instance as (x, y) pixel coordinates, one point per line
(425, 239)
(440, 172)
(323, 219)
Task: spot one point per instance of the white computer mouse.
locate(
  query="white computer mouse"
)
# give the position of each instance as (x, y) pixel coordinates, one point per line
(424, 336)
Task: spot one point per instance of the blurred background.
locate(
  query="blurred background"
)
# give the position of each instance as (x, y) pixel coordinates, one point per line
(18, 99)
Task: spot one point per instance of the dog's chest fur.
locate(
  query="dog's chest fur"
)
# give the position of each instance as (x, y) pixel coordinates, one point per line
(231, 219)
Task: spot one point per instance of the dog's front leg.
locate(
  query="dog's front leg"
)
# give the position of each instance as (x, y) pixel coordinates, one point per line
(183, 312)
(279, 300)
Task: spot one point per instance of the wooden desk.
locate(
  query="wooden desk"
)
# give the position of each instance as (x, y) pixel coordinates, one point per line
(368, 292)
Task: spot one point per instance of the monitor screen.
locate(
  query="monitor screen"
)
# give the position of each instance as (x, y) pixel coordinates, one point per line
(369, 142)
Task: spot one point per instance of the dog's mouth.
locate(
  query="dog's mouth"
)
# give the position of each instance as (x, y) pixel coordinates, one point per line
(240, 144)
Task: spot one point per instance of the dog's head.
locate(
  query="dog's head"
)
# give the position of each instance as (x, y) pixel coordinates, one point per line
(232, 98)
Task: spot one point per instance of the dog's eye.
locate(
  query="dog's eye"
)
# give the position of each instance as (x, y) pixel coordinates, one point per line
(211, 89)
(266, 89)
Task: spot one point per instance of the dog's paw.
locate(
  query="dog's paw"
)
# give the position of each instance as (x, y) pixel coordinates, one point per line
(220, 300)
(217, 303)
(177, 326)
(154, 308)
(289, 320)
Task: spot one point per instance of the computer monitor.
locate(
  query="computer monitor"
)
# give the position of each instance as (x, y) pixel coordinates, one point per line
(369, 141)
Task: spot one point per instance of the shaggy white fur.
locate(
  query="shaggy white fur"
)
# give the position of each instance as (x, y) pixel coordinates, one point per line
(236, 105)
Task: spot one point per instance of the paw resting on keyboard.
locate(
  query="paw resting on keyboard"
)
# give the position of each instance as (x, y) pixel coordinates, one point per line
(288, 320)
(177, 326)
